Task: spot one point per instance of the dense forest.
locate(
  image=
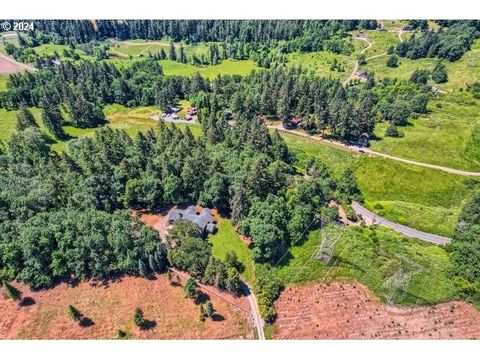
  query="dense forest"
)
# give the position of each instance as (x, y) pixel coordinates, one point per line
(446, 43)
(83, 88)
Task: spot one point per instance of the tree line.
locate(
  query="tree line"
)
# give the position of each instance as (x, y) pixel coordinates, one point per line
(446, 43)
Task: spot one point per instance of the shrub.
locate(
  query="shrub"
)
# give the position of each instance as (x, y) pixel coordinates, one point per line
(392, 61)
(392, 131)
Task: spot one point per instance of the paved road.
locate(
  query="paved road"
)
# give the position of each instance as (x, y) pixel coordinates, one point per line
(373, 219)
(370, 152)
(257, 319)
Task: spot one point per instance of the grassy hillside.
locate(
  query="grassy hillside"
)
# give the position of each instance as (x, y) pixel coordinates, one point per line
(449, 135)
(372, 256)
(423, 198)
(460, 73)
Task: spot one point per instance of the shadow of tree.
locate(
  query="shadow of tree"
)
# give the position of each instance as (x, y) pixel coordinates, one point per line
(27, 301)
(217, 317)
(148, 325)
(86, 322)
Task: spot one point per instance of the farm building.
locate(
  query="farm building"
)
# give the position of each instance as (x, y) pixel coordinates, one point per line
(204, 219)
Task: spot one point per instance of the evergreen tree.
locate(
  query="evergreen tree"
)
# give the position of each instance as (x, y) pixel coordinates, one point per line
(11, 291)
(183, 57)
(190, 288)
(74, 313)
(138, 318)
(25, 119)
(53, 119)
(172, 54)
(209, 308)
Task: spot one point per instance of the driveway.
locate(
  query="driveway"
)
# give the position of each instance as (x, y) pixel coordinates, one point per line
(373, 219)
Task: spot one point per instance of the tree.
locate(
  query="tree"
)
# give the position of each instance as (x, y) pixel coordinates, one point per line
(362, 60)
(172, 54)
(138, 318)
(74, 313)
(190, 288)
(202, 313)
(209, 308)
(11, 291)
(183, 57)
(439, 73)
(25, 119)
(392, 131)
(420, 76)
(392, 61)
(53, 120)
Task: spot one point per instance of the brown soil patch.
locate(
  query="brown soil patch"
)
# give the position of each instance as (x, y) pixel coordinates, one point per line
(351, 311)
(110, 307)
(8, 67)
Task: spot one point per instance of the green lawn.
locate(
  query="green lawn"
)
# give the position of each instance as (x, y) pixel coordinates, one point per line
(449, 135)
(425, 199)
(371, 256)
(3, 81)
(226, 239)
(320, 62)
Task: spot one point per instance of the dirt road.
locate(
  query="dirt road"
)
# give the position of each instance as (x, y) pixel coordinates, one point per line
(357, 65)
(366, 151)
(373, 219)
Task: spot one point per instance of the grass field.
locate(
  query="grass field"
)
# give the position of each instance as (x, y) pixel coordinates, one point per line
(460, 73)
(419, 197)
(381, 41)
(226, 239)
(50, 49)
(3, 81)
(449, 135)
(372, 256)
(226, 67)
(136, 48)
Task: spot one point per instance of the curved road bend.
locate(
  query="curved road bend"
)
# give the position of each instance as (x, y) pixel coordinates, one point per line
(372, 218)
(367, 151)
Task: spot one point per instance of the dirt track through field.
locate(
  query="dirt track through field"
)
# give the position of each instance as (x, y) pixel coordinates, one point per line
(10, 66)
(351, 311)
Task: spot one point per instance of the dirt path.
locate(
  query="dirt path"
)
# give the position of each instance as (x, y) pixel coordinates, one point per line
(366, 151)
(373, 219)
(357, 65)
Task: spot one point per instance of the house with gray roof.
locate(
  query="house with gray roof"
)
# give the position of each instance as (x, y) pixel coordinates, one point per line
(204, 219)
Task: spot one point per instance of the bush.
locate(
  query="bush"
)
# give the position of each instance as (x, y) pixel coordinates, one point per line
(392, 61)
(138, 318)
(267, 291)
(351, 215)
(392, 131)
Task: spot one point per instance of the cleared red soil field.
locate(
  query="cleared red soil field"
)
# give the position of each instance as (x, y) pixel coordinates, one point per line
(351, 311)
(111, 307)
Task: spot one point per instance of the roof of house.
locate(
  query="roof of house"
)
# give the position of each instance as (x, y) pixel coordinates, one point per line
(174, 215)
(203, 220)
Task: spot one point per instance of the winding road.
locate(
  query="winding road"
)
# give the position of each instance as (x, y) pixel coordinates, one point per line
(366, 151)
(373, 219)
(357, 65)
